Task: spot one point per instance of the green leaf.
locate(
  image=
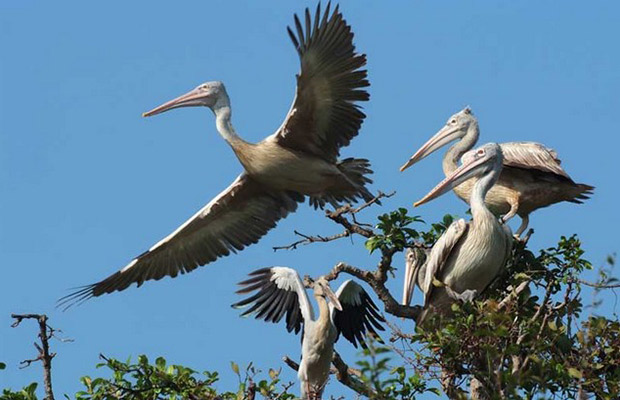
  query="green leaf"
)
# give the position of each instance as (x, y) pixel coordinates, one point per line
(575, 373)
(234, 367)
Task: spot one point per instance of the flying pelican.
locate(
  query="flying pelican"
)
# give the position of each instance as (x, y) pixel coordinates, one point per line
(299, 159)
(532, 177)
(350, 312)
(469, 255)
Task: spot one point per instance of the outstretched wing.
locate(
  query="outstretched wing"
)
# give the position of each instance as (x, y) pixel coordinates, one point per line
(439, 255)
(324, 116)
(532, 155)
(236, 218)
(279, 291)
(359, 316)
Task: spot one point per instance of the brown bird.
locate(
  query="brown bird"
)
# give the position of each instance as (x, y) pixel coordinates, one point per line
(300, 159)
(531, 177)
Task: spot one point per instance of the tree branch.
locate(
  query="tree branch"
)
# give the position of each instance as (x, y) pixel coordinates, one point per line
(376, 280)
(338, 216)
(45, 333)
(311, 239)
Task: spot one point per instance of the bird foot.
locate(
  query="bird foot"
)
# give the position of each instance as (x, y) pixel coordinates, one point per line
(465, 296)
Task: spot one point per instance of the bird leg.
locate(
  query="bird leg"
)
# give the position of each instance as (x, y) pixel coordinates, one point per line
(514, 206)
(465, 296)
(525, 220)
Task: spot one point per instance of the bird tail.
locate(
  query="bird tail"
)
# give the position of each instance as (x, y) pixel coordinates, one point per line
(355, 171)
(581, 192)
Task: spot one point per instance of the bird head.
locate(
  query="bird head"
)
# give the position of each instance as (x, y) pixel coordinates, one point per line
(208, 94)
(456, 127)
(322, 289)
(474, 163)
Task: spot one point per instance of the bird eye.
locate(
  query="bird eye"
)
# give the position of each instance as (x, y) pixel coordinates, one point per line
(480, 152)
(453, 121)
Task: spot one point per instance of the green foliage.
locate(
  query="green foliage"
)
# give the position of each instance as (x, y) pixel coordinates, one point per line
(396, 233)
(390, 382)
(173, 382)
(27, 393)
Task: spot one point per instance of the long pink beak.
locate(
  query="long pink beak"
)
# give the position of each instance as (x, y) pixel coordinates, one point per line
(460, 175)
(440, 139)
(191, 98)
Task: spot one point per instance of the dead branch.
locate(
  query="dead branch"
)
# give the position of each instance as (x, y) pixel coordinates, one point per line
(311, 239)
(45, 333)
(338, 216)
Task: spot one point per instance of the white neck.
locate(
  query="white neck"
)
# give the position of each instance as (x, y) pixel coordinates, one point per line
(453, 155)
(478, 193)
(224, 125)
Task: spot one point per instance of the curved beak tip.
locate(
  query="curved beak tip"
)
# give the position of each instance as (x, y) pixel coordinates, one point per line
(145, 114)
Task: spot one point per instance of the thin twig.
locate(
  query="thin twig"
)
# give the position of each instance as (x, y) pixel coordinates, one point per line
(307, 239)
(338, 216)
(596, 285)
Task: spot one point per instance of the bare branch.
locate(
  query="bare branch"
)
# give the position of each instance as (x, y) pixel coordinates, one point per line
(338, 216)
(45, 333)
(311, 239)
(596, 285)
(380, 195)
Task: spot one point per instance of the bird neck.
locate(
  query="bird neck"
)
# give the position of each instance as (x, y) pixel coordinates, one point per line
(225, 127)
(454, 154)
(479, 209)
(324, 317)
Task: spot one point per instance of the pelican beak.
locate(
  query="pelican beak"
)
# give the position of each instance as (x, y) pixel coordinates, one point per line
(440, 139)
(409, 281)
(194, 97)
(470, 168)
(333, 298)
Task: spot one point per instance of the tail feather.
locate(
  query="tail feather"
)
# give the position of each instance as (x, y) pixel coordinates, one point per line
(582, 192)
(356, 171)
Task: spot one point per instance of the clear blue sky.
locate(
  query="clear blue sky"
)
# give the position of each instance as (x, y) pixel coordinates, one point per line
(87, 183)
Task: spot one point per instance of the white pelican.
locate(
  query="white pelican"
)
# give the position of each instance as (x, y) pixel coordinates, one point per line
(300, 159)
(532, 177)
(469, 255)
(350, 312)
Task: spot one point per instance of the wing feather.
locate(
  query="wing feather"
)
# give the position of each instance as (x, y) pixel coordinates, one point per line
(439, 254)
(324, 117)
(359, 316)
(532, 155)
(236, 218)
(279, 292)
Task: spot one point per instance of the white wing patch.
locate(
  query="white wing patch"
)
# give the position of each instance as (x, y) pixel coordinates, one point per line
(286, 278)
(349, 293)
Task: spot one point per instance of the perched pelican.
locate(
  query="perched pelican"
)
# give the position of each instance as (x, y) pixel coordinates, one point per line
(350, 312)
(300, 159)
(532, 177)
(469, 255)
